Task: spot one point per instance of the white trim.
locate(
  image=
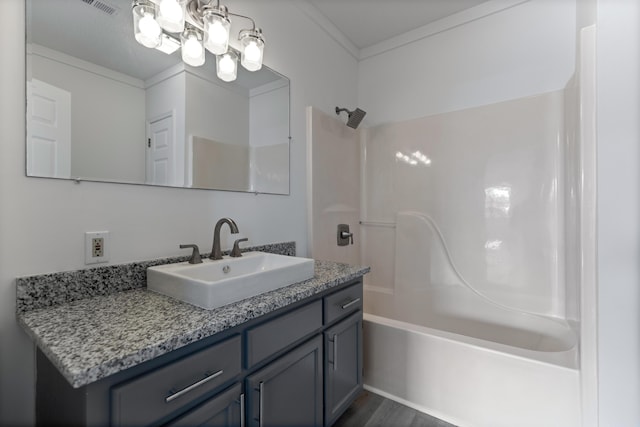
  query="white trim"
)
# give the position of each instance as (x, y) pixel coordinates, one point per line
(328, 27)
(72, 61)
(457, 19)
(588, 229)
(165, 75)
(309, 194)
(269, 87)
(464, 17)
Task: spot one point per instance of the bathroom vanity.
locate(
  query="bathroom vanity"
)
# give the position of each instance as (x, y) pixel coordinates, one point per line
(292, 356)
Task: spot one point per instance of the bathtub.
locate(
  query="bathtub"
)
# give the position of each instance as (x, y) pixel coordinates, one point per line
(468, 362)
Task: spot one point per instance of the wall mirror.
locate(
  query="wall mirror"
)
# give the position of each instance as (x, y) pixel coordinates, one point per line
(101, 107)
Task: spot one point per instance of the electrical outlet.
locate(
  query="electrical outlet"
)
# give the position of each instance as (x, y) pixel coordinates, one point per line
(96, 247)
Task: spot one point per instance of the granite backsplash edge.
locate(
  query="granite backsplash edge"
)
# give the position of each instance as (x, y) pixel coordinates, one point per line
(52, 289)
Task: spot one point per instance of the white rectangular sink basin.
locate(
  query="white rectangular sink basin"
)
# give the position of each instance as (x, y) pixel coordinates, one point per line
(216, 283)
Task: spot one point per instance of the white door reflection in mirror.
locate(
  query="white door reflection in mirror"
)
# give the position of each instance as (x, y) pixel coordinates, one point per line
(49, 130)
(160, 152)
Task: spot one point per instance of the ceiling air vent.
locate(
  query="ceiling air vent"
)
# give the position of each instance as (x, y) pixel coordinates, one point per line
(102, 6)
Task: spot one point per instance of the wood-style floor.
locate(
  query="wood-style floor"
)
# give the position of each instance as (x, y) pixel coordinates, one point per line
(372, 410)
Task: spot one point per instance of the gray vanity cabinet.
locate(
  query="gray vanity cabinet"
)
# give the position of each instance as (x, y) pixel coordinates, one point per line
(288, 391)
(298, 366)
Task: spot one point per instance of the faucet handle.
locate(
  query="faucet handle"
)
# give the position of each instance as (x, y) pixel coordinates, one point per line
(195, 255)
(235, 252)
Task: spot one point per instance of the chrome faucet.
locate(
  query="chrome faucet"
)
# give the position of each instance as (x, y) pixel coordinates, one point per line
(216, 253)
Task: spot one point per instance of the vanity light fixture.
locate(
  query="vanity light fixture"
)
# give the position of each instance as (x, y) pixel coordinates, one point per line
(196, 25)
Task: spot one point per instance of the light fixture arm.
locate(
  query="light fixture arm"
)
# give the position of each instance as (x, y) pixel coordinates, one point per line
(194, 9)
(253, 23)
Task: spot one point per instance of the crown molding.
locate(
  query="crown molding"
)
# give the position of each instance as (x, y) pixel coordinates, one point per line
(328, 27)
(452, 21)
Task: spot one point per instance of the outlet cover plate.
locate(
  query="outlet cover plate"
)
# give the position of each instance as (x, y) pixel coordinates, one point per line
(90, 240)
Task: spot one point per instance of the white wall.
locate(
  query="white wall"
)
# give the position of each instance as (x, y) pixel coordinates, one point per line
(269, 171)
(618, 132)
(42, 221)
(226, 121)
(99, 150)
(525, 50)
(267, 122)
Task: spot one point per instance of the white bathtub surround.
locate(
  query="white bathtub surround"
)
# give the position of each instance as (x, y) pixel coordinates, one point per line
(431, 291)
(466, 381)
(491, 178)
(464, 224)
(437, 344)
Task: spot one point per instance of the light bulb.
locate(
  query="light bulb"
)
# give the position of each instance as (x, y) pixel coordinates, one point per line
(227, 66)
(171, 10)
(171, 15)
(216, 29)
(149, 31)
(192, 47)
(217, 33)
(252, 52)
(252, 48)
(149, 27)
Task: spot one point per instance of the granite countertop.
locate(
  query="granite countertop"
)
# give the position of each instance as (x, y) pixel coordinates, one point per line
(92, 338)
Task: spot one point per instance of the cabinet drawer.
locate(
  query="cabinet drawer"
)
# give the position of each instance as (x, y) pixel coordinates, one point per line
(342, 303)
(223, 410)
(267, 339)
(157, 394)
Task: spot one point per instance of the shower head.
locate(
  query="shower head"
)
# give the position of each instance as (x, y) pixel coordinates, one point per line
(355, 116)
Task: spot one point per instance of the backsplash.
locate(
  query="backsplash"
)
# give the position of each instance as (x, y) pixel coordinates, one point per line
(48, 290)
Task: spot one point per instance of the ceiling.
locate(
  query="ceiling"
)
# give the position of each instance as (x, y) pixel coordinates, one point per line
(369, 22)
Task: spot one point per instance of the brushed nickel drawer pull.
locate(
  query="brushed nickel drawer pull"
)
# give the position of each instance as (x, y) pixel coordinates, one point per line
(350, 303)
(335, 352)
(242, 421)
(261, 405)
(193, 386)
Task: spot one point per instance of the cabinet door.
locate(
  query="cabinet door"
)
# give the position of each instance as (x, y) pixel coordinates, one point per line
(343, 366)
(288, 391)
(224, 410)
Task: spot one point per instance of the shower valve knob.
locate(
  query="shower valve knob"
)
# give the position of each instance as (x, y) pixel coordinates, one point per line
(346, 235)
